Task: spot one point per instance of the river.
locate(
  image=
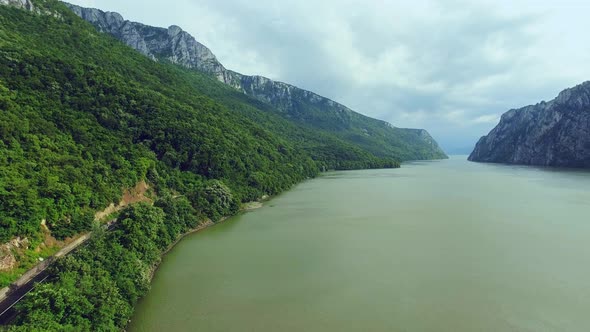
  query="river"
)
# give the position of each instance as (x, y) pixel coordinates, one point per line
(434, 246)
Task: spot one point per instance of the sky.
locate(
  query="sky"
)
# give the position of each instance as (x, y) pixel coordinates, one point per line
(451, 67)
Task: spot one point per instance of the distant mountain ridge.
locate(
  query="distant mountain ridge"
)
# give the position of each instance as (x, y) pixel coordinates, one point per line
(554, 133)
(297, 105)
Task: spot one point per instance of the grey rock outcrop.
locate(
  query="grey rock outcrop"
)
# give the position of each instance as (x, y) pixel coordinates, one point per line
(24, 4)
(179, 47)
(8, 259)
(555, 133)
(172, 44)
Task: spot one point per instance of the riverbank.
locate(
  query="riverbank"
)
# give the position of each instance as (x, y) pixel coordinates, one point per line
(125, 258)
(206, 224)
(249, 206)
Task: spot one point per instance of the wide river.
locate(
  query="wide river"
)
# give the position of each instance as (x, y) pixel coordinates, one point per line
(434, 246)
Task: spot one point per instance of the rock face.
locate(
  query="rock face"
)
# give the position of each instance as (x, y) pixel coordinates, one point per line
(555, 133)
(172, 44)
(7, 258)
(24, 4)
(298, 105)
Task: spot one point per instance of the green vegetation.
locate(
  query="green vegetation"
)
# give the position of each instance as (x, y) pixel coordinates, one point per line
(373, 137)
(26, 259)
(95, 288)
(82, 117)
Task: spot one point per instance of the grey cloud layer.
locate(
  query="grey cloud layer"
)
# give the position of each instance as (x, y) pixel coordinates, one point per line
(450, 67)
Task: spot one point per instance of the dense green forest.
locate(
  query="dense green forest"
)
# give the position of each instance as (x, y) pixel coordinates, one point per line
(95, 288)
(82, 117)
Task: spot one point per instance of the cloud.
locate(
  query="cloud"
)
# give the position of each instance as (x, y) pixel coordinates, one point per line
(490, 118)
(450, 67)
(85, 3)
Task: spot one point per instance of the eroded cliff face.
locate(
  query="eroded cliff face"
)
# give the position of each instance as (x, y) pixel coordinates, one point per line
(179, 47)
(24, 4)
(555, 133)
(172, 44)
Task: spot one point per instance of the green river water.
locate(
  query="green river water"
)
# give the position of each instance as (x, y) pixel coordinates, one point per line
(434, 246)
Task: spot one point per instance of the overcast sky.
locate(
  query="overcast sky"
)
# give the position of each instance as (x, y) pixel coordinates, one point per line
(451, 67)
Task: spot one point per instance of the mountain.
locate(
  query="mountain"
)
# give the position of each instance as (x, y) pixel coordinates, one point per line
(554, 133)
(84, 117)
(87, 122)
(297, 105)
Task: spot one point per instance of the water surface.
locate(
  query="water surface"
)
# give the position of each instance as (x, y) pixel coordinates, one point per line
(433, 246)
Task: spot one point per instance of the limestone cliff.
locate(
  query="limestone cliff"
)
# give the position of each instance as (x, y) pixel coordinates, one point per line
(555, 133)
(24, 4)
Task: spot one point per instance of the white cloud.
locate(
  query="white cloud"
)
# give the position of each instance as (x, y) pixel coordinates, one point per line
(85, 3)
(490, 118)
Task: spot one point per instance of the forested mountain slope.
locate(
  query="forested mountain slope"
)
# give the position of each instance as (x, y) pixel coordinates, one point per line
(292, 103)
(83, 117)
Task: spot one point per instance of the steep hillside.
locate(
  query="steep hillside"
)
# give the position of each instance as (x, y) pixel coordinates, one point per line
(84, 116)
(554, 133)
(297, 105)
